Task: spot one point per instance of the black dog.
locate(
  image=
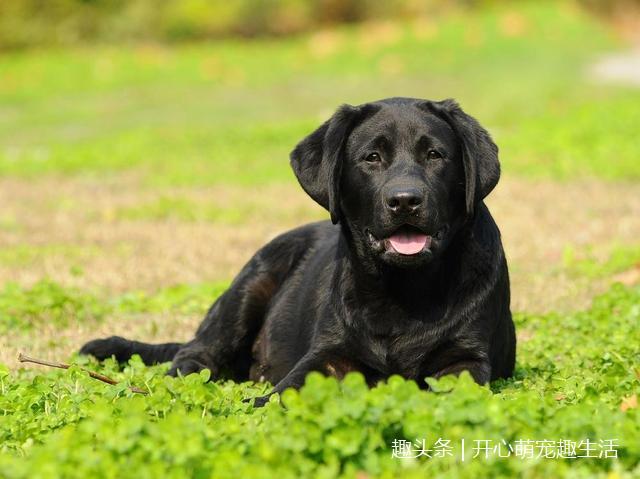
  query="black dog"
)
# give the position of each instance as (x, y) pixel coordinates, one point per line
(410, 278)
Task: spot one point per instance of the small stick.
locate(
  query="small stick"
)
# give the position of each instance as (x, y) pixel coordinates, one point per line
(100, 377)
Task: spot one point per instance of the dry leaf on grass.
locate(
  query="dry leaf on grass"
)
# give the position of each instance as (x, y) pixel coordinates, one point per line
(630, 402)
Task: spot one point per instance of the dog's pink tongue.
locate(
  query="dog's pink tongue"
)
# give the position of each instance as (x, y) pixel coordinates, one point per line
(408, 242)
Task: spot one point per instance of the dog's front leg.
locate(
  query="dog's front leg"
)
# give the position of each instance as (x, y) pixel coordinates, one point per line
(480, 369)
(193, 357)
(312, 361)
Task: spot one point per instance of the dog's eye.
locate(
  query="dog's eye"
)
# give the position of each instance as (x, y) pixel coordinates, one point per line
(373, 158)
(433, 155)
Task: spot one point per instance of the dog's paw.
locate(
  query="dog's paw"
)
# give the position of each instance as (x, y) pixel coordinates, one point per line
(259, 401)
(184, 367)
(105, 348)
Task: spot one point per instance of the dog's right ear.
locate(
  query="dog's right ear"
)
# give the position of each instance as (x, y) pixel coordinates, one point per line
(317, 159)
(479, 152)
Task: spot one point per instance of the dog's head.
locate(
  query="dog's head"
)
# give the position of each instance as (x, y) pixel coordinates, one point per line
(402, 175)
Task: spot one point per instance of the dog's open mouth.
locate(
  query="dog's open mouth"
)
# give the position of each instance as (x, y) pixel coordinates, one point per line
(408, 240)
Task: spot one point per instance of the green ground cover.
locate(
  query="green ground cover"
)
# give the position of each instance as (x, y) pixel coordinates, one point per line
(576, 379)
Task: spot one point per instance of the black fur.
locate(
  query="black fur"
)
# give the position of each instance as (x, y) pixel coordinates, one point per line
(336, 297)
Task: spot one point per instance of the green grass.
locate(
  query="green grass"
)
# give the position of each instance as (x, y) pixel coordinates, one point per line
(592, 138)
(70, 425)
(50, 303)
(27, 255)
(584, 262)
(230, 112)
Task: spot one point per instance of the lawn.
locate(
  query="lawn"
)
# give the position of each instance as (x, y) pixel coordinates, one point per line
(136, 180)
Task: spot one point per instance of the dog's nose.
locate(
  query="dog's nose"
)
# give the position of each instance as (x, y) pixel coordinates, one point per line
(403, 200)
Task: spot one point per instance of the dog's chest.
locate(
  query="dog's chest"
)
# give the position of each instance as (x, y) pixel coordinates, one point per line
(389, 354)
(392, 338)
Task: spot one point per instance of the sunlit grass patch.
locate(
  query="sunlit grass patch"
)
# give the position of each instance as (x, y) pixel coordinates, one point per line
(589, 263)
(595, 137)
(56, 306)
(25, 255)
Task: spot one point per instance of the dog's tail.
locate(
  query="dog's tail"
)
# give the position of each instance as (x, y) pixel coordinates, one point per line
(122, 349)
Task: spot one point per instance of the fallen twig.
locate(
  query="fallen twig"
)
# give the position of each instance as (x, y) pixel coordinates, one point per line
(100, 377)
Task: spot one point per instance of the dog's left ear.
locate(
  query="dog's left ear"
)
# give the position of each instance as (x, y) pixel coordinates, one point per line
(317, 159)
(479, 152)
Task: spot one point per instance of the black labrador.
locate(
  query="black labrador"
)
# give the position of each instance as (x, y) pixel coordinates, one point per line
(408, 278)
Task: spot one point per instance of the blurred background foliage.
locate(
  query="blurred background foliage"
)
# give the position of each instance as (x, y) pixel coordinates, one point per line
(29, 23)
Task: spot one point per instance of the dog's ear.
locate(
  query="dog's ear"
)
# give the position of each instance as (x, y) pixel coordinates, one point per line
(317, 159)
(479, 152)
